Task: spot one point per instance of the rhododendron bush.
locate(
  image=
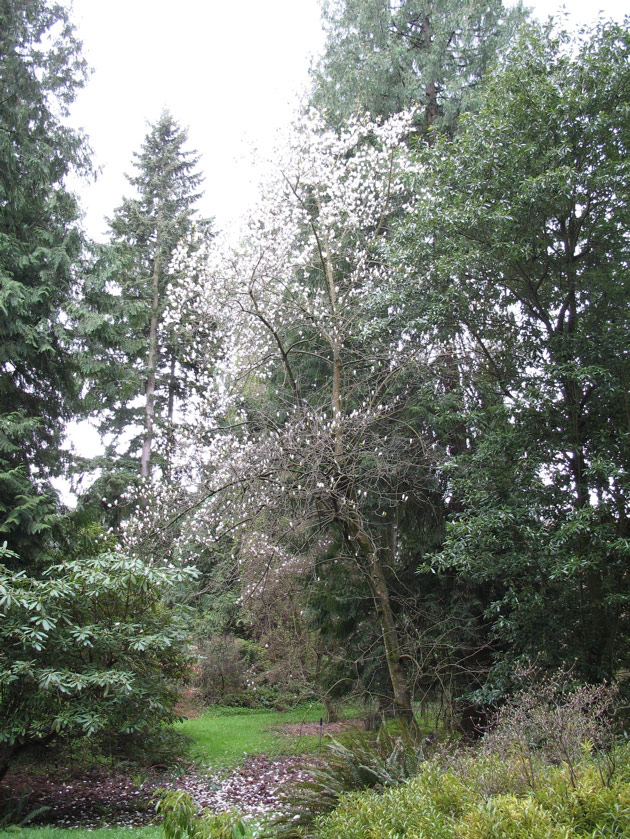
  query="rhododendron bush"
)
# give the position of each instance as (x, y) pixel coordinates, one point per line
(87, 649)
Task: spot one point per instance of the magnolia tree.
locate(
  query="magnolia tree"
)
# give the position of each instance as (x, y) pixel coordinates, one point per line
(303, 437)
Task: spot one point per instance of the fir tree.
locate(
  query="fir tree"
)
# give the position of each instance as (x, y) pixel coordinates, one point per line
(40, 71)
(150, 370)
(383, 56)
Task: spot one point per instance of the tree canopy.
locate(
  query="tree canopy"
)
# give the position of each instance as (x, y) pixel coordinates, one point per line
(382, 57)
(519, 240)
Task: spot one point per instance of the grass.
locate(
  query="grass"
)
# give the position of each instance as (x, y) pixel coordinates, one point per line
(222, 736)
(79, 833)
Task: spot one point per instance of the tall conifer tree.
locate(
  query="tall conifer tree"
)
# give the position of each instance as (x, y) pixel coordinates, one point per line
(383, 56)
(41, 70)
(146, 231)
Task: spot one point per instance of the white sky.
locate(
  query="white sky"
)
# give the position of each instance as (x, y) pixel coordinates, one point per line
(231, 72)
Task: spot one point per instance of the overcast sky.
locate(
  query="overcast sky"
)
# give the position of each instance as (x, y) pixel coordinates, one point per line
(231, 73)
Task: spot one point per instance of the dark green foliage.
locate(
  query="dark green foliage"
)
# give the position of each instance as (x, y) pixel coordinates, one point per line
(88, 650)
(40, 71)
(146, 367)
(16, 813)
(521, 244)
(383, 57)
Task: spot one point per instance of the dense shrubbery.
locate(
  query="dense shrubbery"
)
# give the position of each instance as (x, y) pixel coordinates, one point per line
(241, 672)
(476, 796)
(549, 769)
(88, 650)
(450, 804)
(223, 669)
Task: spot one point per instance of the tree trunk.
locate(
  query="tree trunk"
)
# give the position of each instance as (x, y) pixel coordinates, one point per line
(170, 418)
(355, 533)
(149, 405)
(335, 346)
(371, 566)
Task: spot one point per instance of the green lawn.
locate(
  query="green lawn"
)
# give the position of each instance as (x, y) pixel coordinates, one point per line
(222, 736)
(78, 833)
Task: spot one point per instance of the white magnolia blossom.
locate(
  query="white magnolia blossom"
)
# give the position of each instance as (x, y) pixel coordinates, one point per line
(330, 197)
(303, 284)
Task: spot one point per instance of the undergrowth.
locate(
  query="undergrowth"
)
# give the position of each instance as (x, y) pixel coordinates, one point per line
(550, 769)
(449, 804)
(363, 761)
(153, 832)
(478, 797)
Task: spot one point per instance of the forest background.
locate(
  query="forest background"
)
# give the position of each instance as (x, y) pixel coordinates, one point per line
(378, 445)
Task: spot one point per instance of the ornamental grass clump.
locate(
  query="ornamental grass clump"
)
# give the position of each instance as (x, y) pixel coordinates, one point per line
(361, 762)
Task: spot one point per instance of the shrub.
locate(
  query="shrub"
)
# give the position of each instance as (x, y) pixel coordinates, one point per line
(180, 819)
(362, 762)
(223, 669)
(510, 817)
(240, 672)
(553, 722)
(89, 649)
(17, 812)
(428, 805)
(445, 804)
(592, 808)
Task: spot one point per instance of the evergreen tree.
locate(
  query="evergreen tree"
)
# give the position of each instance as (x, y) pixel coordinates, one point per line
(153, 365)
(40, 71)
(383, 56)
(520, 237)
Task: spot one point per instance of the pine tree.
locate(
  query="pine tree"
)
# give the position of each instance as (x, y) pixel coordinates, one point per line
(150, 371)
(41, 69)
(383, 56)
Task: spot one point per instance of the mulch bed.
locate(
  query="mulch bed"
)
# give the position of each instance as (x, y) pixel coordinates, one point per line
(299, 729)
(95, 799)
(103, 799)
